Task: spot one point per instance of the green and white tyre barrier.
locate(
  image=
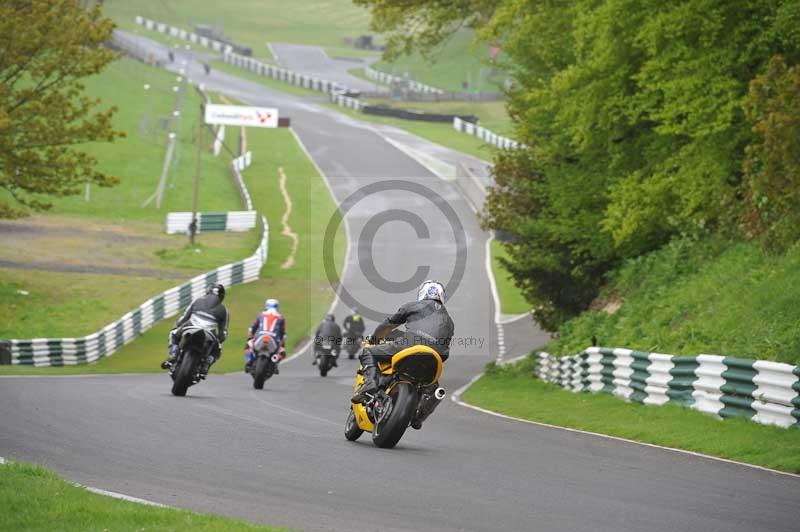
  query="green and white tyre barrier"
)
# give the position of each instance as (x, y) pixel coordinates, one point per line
(388, 79)
(179, 33)
(243, 162)
(760, 390)
(72, 351)
(233, 221)
(281, 74)
(347, 101)
(486, 135)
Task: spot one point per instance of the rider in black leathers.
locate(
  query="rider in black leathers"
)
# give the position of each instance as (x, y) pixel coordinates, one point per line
(353, 327)
(427, 323)
(208, 308)
(329, 331)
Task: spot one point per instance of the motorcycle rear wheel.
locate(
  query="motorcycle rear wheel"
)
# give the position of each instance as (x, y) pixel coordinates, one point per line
(324, 365)
(351, 429)
(184, 375)
(388, 432)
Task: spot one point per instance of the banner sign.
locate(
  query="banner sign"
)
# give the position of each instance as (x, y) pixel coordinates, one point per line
(240, 115)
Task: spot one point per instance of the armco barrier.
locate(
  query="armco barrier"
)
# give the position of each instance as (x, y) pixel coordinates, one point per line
(281, 74)
(234, 221)
(71, 351)
(217, 46)
(347, 101)
(484, 134)
(405, 114)
(762, 391)
(388, 79)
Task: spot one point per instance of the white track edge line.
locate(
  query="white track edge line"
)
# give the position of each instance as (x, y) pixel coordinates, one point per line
(107, 493)
(456, 398)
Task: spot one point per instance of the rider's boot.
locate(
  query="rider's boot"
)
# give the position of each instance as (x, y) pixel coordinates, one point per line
(370, 385)
(333, 361)
(248, 365)
(173, 354)
(315, 359)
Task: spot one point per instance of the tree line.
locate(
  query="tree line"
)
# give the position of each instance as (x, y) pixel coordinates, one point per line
(643, 120)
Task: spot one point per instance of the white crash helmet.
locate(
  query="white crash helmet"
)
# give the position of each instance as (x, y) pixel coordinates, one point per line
(271, 303)
(431, 290)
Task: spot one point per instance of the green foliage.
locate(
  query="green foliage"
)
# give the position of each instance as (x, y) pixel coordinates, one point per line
(46, 48)
(698, 296)
(422, 25)
(772, 164)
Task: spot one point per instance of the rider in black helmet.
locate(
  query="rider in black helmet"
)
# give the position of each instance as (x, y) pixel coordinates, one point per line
(204, 309)
(328, 330)
(427, 323)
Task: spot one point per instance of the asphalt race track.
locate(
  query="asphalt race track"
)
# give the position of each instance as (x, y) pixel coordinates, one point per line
(278, 456)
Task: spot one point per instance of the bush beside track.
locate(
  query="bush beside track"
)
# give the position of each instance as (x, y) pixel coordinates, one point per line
(37, 499)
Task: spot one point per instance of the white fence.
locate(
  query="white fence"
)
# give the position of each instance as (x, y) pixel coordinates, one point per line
(763, 391)
(178, 33)
(486, 135)
(388, 79)
(234, 221)
(109, 339)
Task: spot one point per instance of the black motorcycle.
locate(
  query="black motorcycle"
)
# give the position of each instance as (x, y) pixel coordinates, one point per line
(191, 365)
(325, 356)
(265, 361)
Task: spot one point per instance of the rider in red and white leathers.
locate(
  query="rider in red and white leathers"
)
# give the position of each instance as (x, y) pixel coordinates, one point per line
(269, 321)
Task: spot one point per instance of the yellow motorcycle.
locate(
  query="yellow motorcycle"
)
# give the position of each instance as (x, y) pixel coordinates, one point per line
(405, 397)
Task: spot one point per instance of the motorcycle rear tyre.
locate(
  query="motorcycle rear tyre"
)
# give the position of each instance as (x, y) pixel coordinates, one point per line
(387, 433)
(184, 375)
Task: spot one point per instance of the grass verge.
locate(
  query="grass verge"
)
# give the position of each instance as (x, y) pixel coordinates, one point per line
(254, 22)
(439, 133)
(37, 499)
(513, 392)
(457, 61)
(511, 300)
(698, 296)
(304, 291)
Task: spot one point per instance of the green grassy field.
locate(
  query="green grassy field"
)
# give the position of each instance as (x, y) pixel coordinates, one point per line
(514, 392)
(37, 499)
(253, 22)
(458, 60)
(138, 159)
(511, 300)
(691, 297)
(303, 289)
(127, 234)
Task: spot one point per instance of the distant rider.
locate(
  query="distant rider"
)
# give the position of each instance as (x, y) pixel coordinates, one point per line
(329, 331)
(427, 323)
(207, 312)
(353, 327)
(269, 321)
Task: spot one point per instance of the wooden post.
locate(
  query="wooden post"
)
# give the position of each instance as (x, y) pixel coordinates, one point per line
(199, 140)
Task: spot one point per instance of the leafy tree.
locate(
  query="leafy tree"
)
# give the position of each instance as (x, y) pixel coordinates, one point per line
(772, 163)
(631, 111)
(423, 24)
(46, 48)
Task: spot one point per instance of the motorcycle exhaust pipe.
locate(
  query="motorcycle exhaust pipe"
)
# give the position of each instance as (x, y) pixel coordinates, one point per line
(429, 403)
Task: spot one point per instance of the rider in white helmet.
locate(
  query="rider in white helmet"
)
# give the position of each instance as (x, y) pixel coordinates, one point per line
(426, 323)
(269, 321)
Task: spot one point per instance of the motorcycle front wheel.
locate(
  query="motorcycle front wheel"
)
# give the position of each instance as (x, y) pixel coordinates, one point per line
(351, 429)
(387, 432)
